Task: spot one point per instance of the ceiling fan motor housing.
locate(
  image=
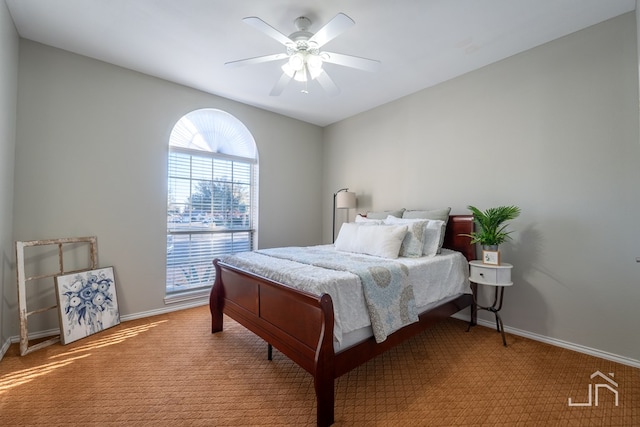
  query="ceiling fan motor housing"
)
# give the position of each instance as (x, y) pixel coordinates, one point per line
(302, 25)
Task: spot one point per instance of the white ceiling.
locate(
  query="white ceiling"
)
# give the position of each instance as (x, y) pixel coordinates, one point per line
(420, 42)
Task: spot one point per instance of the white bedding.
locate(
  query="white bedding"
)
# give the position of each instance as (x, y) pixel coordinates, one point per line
(433, 279)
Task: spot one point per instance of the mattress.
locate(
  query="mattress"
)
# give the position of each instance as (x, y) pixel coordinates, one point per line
(434, 279)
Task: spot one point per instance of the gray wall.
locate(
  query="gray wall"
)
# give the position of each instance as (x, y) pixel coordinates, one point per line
(8, 99)
(91, 158)
(553, 130)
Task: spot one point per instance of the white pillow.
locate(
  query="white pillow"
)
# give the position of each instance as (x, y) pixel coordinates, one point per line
(378, 240)
(364, 219)
(348, 233)
(432, 234)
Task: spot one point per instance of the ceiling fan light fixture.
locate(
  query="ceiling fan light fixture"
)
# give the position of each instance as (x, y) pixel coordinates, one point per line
(297, 61)
(315, 72)
(314, 62)
(300, 76)
(304, 59)
(297, 75)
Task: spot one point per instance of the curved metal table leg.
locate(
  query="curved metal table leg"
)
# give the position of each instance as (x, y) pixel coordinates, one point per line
(494, 308)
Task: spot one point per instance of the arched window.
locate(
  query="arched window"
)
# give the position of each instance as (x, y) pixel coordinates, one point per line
(212, 196)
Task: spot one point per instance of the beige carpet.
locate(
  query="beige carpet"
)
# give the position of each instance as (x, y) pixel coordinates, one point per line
(169, 370)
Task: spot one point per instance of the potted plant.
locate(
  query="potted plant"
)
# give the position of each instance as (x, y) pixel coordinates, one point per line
(491, 227)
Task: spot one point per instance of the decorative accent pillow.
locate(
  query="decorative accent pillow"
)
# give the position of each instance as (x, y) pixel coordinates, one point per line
(434, 237)
(430, 235)
(385, 214)
(435, 214)
(378, 240)
(413, 243)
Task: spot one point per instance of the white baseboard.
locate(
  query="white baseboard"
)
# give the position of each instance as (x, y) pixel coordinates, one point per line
(191, 303)
(4, 348)
(33, 336)
(185, 304)
(558, 343)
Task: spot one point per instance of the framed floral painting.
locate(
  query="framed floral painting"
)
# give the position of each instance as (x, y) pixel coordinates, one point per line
(87, 303)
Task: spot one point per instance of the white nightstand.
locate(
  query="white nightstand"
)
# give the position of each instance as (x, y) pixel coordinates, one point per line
(498, 276)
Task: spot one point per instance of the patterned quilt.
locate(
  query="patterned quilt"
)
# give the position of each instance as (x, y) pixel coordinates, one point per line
(388, 295)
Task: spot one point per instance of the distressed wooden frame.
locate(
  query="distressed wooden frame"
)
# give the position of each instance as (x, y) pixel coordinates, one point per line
(24, 313)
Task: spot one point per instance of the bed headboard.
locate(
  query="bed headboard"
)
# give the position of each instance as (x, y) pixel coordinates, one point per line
(460, 224)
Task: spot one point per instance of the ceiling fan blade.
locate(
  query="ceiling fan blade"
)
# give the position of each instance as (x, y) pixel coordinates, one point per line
(351, 61)
(280, 85)
(267, 29)
(256, 60)
(327, 84)
(339, 24)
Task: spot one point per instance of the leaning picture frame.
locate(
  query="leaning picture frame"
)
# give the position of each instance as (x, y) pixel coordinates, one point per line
(87, 303)
(491, 257)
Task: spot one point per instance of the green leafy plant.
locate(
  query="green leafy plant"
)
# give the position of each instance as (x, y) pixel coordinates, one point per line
(491, 227)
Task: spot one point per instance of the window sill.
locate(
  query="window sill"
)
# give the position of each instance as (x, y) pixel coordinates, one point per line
(200, 295)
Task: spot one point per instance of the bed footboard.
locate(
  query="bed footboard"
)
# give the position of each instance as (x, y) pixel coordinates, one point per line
(298, 324)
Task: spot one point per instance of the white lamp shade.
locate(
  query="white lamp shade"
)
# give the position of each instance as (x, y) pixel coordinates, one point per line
(346, 200)
(297, 61)
(314, 62)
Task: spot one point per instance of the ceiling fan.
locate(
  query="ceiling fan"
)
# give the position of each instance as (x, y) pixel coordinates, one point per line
(303, 54)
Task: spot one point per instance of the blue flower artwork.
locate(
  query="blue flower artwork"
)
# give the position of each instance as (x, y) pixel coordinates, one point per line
(87, 303)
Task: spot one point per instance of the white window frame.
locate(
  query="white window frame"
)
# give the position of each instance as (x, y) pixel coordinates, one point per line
(198, 234)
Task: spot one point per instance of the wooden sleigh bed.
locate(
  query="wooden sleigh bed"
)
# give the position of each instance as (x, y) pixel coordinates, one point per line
(300, 325)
